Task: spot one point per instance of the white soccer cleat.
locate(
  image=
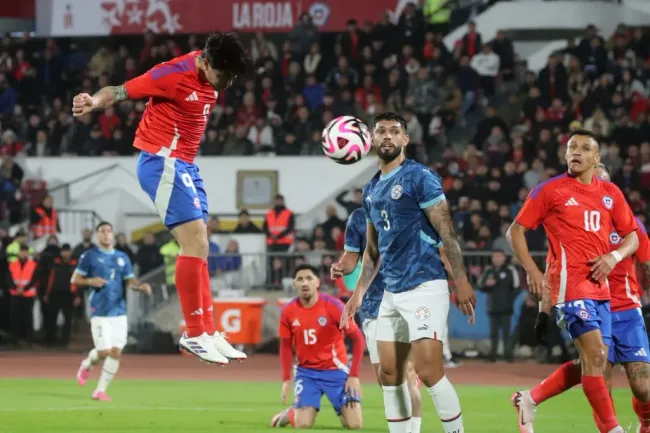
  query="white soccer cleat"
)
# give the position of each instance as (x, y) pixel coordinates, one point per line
(203, 348)
(523, 402)
(220, 343)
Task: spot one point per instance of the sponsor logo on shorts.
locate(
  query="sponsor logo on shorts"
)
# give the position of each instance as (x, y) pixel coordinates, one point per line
(396, 192)
(424, 327)
(584, 314)
(322, 321)
(422, 313)
(608, 202)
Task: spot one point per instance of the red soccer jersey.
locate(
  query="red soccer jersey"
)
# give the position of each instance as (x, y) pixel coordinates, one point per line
(623, 284)
(578, 220)
(180, 103)
(315, 333)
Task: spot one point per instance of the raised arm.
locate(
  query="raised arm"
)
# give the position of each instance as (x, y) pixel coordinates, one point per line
(370, 263)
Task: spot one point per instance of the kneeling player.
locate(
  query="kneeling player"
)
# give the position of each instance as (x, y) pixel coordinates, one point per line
(629, 337)
(355, 244)
(310, 323)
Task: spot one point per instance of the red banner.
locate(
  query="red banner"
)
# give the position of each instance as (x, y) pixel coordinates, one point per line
(103, 17)
(17, 9)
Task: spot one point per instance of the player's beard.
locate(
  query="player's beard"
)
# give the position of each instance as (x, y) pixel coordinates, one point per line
(389, 155)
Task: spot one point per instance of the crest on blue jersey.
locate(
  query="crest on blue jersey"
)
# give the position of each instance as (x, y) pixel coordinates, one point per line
(614, 238)
(322, 320)
(583, 313)
(422, 313)
(396, 192)
(608, 202)
(120, 262)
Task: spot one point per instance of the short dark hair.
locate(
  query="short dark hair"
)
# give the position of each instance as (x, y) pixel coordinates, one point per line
(24, 248)
(305, 267)
(388, 116)
(588, 133)
(102, 224)
(225, 52)
(65, 247)
(604, 167)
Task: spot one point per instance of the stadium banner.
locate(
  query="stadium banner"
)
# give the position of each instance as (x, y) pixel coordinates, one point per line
(117, 17)
(23, 9)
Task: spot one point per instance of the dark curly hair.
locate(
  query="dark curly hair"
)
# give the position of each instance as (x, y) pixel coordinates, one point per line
(225, 52)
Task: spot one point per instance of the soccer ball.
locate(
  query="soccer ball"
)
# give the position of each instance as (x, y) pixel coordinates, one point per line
(346, 140)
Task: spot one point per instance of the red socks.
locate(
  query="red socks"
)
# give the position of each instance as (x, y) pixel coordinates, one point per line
(189, 276)
(597, 393)
(206, 294)
(566, 376)
(642, 411)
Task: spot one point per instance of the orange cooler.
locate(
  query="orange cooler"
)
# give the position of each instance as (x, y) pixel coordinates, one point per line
(240, 318)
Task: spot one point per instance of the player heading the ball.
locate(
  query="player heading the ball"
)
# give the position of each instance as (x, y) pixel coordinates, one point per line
(181, 94)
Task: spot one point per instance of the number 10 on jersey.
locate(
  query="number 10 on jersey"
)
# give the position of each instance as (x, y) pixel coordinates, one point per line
(592, 221)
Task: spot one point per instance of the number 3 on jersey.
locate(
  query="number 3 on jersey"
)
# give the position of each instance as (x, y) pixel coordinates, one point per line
(310, 336)
(384, 216)
(592, 221)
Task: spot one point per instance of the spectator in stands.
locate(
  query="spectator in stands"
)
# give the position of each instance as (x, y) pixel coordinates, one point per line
(353, 203)
(501, 282)
(214, 226)
(213, 257)
(472, 41)
(169, 253)
(22, 289)
(44, 219)
(332, 221)
(230, 260)
(121, 244)
(14, 248)
(148, 257)
(279, 227)
(85, 244)
(244, 224)
(60, 296)
(487, 65)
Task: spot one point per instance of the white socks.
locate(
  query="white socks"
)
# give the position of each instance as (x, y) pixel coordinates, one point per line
(111, 365)
(415, 424)
(447, 404)
(91, 360)
(397, 405)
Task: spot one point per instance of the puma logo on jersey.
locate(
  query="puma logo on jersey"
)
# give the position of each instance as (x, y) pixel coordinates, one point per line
(571, 202)
(295, 323)
(193, 97)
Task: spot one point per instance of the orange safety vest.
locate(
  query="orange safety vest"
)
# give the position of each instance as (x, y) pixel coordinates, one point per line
(277, 223)
(22, 275)
(46, 225)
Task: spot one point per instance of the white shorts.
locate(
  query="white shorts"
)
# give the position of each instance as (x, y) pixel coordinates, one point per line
(370, 331)
(415, 314)
(109, 332)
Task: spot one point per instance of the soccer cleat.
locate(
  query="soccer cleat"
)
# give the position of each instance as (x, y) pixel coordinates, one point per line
(82, 375)
(451, 363)
(220, 343)
(101, 396)
(525, 406)
(203, 348)
(281, 419)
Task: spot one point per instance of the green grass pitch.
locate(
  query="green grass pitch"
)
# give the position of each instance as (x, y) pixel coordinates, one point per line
(47, 406)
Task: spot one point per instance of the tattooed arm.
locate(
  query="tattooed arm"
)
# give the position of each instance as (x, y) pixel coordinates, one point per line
(109, 96)
(440, 218)
(370, 262)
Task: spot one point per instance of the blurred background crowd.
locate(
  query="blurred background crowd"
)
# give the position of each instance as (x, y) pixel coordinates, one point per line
(491, 127)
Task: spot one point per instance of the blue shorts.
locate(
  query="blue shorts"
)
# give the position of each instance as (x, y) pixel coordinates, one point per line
(175, 188)
(310, 385)
(584, 315)
(629, 337)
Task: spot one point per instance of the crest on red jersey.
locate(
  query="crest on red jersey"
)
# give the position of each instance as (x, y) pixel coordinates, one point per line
(322, 320)
(608, 202)
(614, 238)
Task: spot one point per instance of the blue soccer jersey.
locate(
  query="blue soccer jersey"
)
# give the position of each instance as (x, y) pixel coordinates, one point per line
(113, 266)
(355, 242)
(408, 244)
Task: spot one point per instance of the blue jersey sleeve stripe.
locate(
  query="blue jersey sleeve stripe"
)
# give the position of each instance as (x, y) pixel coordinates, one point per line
(428, 239)
(429, 203)
(351, 249)
(80, 272)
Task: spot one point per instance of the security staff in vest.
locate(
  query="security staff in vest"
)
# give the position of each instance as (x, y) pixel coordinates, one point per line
(437, 14)
(501, 282)
(44, 219)
(279, 227)
(60, 296)
(170, 252)
(22, 290)
(13, 249)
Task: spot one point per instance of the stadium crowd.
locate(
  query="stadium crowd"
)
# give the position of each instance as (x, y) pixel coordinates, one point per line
(303, 81)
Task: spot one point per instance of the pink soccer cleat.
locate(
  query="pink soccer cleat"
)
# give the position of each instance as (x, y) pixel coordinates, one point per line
(82, 375)
(101, 396)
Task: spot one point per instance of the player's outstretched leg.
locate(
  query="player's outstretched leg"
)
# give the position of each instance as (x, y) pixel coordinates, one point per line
(393, 356)
(416, 398)
(109, 370)
(565, 377)
(219, 340)
(87, 364)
